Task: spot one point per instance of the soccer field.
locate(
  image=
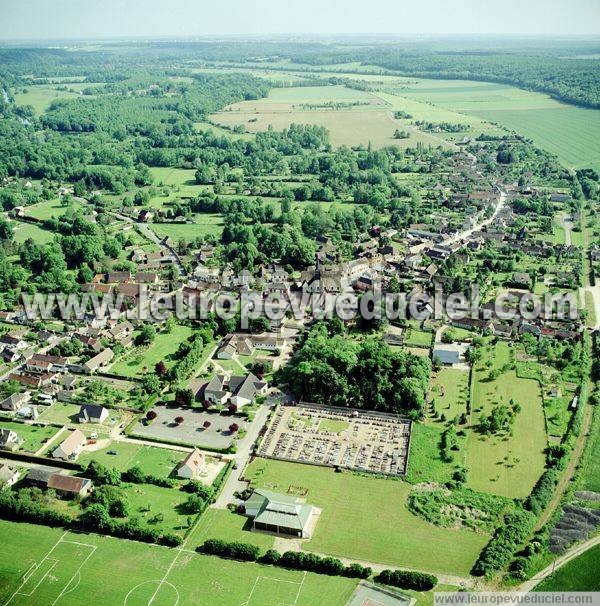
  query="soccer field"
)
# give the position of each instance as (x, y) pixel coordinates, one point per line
(40, 566)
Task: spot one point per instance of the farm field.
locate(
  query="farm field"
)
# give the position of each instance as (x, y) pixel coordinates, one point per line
(165, 344)
(33, 436)
(507, 467)
(370, 121)
(350, 501)
(40, 96)
(570, 132)
(60, 563)
(580, 574)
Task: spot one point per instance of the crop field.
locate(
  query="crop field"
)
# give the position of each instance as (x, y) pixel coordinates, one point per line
(41, 566)
(508, 465)
(164, 345)
(33, 436)
(570, 132)
(580, 574)
(375, 510)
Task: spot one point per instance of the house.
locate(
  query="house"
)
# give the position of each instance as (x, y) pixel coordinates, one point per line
(92, 413)
(43, 363)
(69, 486)
(15, 401)
(147, 277)
(521, 280)
(238, 390)
(38, 476)
(145, 216)
(448, 355)
(9, 355)
(119, 277)
(98, 361)
(70, 447)
(192, 466)
(8, 476)
(9, 440)
(278, 513)
(214, 391)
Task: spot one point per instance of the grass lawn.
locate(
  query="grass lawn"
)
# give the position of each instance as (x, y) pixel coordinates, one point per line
(333, 425)
(152, 459)
(366, 518)
(228, 526)
(24, 231)
(165, 344)
(79, 564)
(590, 475)
(206, 224)
(580, 574)
(425, 463)
(50, 208)
(418, 338)
(450, 391)
(65, 413)
(33, 436)
(505, 465)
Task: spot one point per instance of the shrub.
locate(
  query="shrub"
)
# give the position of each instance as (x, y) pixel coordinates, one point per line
(407, 579)
(271, 556)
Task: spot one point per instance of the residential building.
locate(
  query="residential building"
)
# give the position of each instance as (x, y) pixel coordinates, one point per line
(70, 447)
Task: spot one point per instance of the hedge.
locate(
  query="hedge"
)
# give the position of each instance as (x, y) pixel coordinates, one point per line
(234, 550)
(407, 579)
(542, 492)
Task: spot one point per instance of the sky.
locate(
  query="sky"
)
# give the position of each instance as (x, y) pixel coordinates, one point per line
(59, 19)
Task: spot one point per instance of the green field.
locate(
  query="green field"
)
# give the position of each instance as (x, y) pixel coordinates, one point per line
(65, 413)
(24, 231)
(49, 209)
(449, 390)
(418, 338)
(425, 463)
(40, 96)
(382, 528)
(33, 436)
(228, 526)
(206, 224)
(40, 566)
(164, 345)
(507, 466)
(580, 574)
(570, 132)
(590, 474)
(152, 459)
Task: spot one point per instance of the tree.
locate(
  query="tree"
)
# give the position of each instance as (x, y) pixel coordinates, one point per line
(206, 424)
(95, 517)
(232, 408)
(147, 334)
(184, 397)
(150, 384)
(179, 420)
(233, 427)
(160, 369)
(151, 415)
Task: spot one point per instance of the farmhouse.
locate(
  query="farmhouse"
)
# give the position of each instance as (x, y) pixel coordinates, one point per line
(70, 447)
(92, 413)
(39, 476)
(279, 513)
(192, 466)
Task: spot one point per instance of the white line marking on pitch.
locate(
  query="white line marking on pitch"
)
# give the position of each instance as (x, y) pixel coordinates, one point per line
(94, 547)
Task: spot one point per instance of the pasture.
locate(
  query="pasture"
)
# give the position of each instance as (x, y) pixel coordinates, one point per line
(207, 224)
(449, 390)
(23, 231)
(40, 96)
(507, 465)
(375, 509)
(40, 566)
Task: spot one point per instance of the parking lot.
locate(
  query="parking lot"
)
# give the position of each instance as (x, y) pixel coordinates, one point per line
(365, 441)
(191, 431)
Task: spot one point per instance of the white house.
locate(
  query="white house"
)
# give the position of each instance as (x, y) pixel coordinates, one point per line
(71, 446)
(192, 466)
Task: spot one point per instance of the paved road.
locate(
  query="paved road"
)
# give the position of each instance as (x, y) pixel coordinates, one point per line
(244, 450)
(558, 563)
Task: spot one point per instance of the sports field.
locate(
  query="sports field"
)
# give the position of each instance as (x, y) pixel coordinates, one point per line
(580, 574)
(505, 465)
(40, 566)
(375, 511)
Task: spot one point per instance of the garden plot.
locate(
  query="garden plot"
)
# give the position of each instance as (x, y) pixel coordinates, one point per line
(326, 436)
